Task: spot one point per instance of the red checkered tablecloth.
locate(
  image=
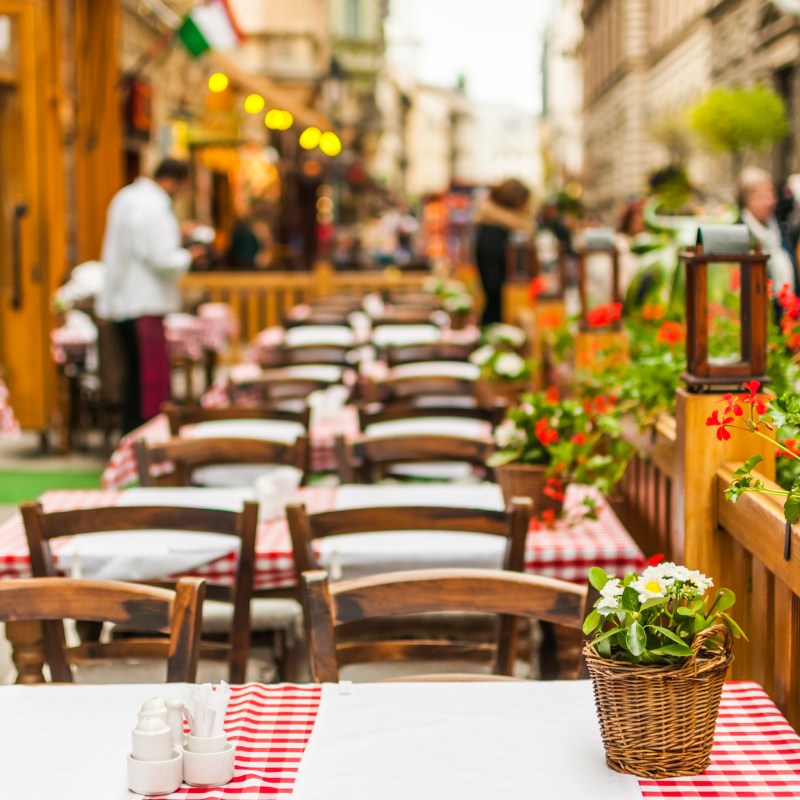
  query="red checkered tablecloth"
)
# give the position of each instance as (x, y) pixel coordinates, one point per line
(756, 752)
(9, 425)
(566, 551)
(121, 469)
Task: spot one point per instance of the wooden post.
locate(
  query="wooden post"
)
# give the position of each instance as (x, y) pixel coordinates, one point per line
(698, 455)
(27, 650)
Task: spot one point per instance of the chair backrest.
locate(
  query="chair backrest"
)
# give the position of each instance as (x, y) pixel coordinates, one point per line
(278, 386)
(403, 593)
(427, 385)
(370, 458)
(41, 528)
(416, 408)
(187, 455)
(406, 315)
(179, 416)
(511, 525)
(332, 354)
(413, 353)
(51, 600)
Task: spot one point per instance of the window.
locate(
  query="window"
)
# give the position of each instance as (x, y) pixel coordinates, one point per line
(352, 18)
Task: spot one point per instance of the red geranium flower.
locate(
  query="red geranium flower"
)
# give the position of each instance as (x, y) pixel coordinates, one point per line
(722, 433)
(544, 433)
(734, 405)
(536, 287)
(758, 401)
(549, 517)
(601, 316)
(552, 394)
(655, 560)
(671, 333)
(554, 488)
(653, 311)
(578, 438)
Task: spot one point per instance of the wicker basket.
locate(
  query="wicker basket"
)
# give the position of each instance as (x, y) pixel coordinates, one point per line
(527, 480)
(491, 393)
(658, 722)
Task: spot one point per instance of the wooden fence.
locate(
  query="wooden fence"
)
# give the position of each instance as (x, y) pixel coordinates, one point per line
(261, 299)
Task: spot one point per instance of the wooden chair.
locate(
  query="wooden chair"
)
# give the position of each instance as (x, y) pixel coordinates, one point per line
(188, 455)
(179, 416)
(511, 525)
(41, 528)
(329, 607)
(414, 408)
(333, 354)
(410, 354)
(372, 458)
(51, 600)
(405, 315)
(278, 386)
(427, 386)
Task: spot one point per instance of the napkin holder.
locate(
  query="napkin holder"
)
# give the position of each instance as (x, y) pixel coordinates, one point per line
(155, 766)
(208, 761)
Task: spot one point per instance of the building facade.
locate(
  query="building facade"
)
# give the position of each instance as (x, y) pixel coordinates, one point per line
(646, 63)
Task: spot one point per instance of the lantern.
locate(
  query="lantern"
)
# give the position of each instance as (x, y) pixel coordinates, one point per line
(598, 244)
(725, 244)
(526, 261)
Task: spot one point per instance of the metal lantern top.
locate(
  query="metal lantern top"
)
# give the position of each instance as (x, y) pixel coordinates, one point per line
(598, 241)
(725, 244)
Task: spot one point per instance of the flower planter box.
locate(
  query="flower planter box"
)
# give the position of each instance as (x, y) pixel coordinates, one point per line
(527, 480)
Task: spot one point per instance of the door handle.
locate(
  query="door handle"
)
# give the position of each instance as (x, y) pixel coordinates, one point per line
(17, 213)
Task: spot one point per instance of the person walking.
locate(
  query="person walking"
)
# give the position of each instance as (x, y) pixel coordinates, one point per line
(144, 260)
(757, 201)
(503, 213)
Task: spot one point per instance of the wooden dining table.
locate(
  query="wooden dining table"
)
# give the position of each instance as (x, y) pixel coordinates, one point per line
(510, 740)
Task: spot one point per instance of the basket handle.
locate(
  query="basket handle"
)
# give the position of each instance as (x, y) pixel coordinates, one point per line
(720, 629)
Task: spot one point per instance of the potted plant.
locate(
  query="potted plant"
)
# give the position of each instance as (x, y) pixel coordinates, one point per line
(547, 442)
(459, 306)
(659, 650)
(504, 375)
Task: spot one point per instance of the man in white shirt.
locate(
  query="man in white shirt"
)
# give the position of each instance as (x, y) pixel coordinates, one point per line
(144, 260)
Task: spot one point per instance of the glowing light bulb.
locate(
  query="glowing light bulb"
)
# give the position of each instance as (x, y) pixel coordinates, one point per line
(330, 144)
(218, 82)
(254, 104)
(309, 138)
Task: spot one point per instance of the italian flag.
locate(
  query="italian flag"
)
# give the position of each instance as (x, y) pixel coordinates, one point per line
(210, 26)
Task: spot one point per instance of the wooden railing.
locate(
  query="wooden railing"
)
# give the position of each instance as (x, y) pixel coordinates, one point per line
(261, 299)
(644, 497)
(750, 547)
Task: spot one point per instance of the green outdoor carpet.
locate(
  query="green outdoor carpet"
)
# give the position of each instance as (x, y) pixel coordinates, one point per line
(18, 485)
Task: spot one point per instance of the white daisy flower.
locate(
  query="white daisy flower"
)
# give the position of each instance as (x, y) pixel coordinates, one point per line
(649, 586)
(509, 365)
(481, 356)
(609, 597)
(506, 434)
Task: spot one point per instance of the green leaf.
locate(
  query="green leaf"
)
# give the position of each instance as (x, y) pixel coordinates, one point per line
(636, 640)
(734, 628)
(791, 509)
(591, 622)
(666, 632)
(598, 578)
(673, 650)
(653, 602)
(630, 599)
(605, 635)
(725, 599)
(603, 648)
(683, 611)
(748, 466)
(700, 624)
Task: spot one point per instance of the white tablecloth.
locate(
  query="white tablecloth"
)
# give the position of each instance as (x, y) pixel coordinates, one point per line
(433, 369)
(283, 431)
(304, 335)
(405, 335)
(474, 741)
(431, 426)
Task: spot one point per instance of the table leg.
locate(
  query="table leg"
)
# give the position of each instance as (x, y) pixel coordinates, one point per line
(27, 650)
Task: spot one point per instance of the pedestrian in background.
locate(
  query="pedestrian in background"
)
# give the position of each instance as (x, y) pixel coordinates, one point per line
(505, 212)
(757, 201)
(143, 261)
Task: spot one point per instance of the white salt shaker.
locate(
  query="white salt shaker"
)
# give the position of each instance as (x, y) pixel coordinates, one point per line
(175, 721)
(154, 765)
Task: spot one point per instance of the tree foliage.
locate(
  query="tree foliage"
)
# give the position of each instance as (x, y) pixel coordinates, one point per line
(733, 120)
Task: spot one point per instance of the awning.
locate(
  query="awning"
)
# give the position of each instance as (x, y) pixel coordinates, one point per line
(274, 95)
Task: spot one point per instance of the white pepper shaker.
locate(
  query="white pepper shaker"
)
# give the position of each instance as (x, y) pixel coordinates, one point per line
(175, 721)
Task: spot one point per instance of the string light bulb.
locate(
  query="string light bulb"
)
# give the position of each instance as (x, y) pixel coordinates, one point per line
(218, 82)
(309, 138)
(330, 144)
(254, 104)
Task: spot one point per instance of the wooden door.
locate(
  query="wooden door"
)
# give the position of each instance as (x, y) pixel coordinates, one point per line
(24, 360)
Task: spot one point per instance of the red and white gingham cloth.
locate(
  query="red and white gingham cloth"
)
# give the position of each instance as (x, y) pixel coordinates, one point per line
(69, 344)
(9, 425)
(190, 336)
(756, 752)
(121, 469)
(565, 552)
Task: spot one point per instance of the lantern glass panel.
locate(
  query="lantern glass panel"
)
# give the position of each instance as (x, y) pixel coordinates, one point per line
(547, 254)
(599, 291)
(724, 313)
